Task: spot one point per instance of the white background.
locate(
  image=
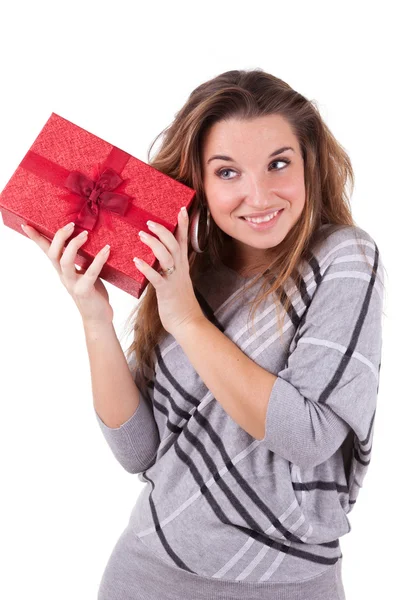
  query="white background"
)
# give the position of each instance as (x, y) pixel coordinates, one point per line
(122, 70)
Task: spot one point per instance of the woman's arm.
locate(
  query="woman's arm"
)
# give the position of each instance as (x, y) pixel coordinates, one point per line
(123, 414)
(115, 394)
(330, 382)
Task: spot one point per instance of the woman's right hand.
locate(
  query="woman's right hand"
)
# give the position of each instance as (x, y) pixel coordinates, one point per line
(87, 290)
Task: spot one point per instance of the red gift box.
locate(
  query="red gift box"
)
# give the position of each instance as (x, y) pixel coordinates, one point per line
(70, 174)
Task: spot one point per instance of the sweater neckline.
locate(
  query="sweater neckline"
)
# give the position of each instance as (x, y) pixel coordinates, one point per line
(236, 273)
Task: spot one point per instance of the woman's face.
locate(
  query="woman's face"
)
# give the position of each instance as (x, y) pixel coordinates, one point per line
(243, 175)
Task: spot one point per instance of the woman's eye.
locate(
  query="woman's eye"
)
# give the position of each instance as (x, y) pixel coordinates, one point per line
(286, 162)
(224, 171)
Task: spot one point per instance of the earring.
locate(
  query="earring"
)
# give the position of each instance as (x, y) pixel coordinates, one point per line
(195, 227)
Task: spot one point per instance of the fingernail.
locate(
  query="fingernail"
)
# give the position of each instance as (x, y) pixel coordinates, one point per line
(68, 226)
(184, 210)
(106, 248)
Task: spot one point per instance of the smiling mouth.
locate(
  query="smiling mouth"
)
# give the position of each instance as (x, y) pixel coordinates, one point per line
(263, 220)
(263, 225)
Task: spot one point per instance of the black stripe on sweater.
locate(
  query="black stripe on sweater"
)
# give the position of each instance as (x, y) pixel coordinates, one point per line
(168, 548)
(355, 336)
(319, 485)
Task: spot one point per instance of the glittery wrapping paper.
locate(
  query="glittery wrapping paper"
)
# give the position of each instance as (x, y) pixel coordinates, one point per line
(36, 194)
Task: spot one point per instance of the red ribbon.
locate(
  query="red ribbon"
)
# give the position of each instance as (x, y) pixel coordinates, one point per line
(93, 197)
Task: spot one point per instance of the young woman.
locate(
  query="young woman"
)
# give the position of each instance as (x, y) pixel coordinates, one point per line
(252, 435)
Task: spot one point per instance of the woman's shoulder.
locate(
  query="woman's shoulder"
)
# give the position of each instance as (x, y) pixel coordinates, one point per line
(331, 238)
(346, 247)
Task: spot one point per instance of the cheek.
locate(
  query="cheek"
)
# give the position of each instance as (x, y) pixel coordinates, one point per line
(293, 191)
(222, 200)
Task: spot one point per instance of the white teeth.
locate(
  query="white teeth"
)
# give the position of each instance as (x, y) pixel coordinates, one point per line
(261, 219)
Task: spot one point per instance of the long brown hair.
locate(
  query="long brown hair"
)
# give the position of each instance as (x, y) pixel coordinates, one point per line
(247, 94)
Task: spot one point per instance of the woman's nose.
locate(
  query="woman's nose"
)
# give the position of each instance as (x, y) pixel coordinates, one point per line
(259, 191)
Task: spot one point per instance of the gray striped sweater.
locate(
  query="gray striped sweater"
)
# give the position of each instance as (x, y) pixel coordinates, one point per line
(225, 506)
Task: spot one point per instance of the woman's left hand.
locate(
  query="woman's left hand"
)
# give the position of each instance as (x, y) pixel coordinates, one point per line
(177, 304)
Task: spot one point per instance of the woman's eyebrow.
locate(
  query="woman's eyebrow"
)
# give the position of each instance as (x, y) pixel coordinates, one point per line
(223, 157)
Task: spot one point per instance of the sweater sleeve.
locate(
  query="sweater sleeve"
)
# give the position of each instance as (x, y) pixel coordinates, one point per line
(135, 443)
(328, 387)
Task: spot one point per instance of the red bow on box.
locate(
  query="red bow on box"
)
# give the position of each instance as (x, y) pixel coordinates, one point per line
(97, 194)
